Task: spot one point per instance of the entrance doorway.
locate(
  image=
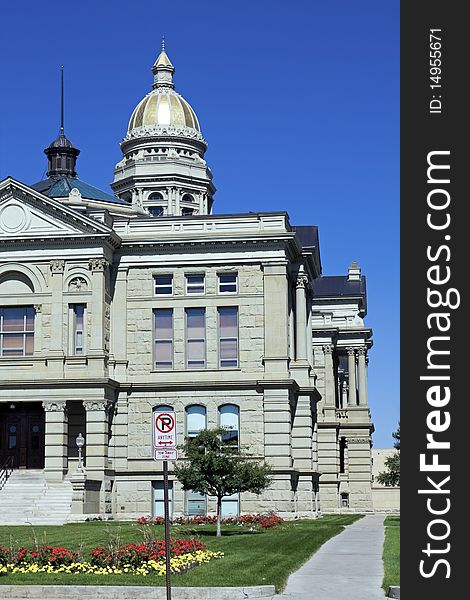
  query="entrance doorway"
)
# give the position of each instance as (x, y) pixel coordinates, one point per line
(22, 434)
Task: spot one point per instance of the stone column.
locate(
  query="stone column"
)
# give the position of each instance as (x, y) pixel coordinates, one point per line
(96, 440)
(301, 316)
(56, 349)
(362, 377)
(201, 203)
(367, 379)
(352, 399)
(309, 333)
(344, 395)
(56, 430)
(98, 267)
(176, 196)
(330, 396)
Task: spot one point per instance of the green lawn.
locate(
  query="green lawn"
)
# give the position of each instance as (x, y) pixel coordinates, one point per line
(391, 553)
(259, 558)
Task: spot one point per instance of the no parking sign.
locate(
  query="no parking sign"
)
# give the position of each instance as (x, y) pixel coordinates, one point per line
(164, 430)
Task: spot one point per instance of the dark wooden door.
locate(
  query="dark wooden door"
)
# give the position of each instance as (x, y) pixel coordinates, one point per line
(22, 435)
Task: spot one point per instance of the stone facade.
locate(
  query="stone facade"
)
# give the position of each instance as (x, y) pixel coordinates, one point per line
(89, 269)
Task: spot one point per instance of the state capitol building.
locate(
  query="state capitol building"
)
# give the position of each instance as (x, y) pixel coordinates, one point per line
(117, 305)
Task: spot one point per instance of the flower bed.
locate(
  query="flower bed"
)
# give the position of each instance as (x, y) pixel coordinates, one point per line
(135, 559)
(263, 521)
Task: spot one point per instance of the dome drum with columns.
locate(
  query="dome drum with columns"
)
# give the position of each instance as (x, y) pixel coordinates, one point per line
(163, 171)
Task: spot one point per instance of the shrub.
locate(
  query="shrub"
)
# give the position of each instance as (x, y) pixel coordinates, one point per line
(264, 521)
(134, 555)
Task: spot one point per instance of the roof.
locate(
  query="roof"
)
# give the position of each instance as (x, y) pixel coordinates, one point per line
(338, 285)
(60, 187)
(308, 238)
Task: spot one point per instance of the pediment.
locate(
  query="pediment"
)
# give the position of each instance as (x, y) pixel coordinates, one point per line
(26, 213)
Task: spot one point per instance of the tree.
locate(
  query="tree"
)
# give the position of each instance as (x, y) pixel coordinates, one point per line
(396, 437)
(391, 477)
(214, 467)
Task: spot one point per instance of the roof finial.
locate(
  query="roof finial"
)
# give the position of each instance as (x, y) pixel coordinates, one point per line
(163, 69)
(62, 99)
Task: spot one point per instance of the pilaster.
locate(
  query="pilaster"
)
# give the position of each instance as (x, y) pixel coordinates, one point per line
(352, 393)
(275, 318)
(362, 376)
(56, 348)
(329, 404)
(359, 471)
(97, 436)
(56, 430)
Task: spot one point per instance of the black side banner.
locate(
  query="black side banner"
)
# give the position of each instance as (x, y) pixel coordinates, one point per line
(435, 403)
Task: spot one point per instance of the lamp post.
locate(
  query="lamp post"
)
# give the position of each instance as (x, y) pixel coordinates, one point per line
(80, 441)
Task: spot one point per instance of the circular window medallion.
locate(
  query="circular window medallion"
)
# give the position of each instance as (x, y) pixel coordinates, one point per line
(13, 218)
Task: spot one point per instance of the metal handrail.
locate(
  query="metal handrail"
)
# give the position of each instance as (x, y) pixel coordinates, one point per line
(5, 471)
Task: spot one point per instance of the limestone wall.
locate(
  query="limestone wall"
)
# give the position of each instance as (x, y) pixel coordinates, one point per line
(386, 499)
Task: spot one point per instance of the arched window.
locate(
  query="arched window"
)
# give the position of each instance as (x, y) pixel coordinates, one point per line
(195, 422)
(156, 211)
(155, 196)
(187, 198)
(229, 419)
(14, 282)
(163, 408)
(195, 419)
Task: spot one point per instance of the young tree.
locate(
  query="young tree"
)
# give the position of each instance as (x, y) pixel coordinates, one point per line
(391, 477)
(214, 467)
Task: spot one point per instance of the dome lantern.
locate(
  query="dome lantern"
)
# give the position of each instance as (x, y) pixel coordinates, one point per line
(163, 70)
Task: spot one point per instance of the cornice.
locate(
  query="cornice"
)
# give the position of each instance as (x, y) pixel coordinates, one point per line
(246, 384)
(92, 382)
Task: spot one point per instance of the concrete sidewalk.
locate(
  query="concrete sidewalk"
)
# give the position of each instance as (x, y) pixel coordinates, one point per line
(349, 566)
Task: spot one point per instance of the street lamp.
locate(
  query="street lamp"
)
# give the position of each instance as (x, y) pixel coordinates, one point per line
(80, 441)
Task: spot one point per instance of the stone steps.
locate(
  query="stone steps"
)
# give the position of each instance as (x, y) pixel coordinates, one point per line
(28, 499)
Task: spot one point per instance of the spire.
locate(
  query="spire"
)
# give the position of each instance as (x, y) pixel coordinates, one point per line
(163, 69)
(62, 100)
(61, 154)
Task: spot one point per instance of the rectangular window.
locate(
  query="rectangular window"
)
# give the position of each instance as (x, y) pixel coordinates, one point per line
(17, 331)
(195, 338)
(195, 504)
(228, 336)
(163, 285)
(195, 284)
(231, 505)
(228, 283)
(163, 318)
(78, 328)
(158, 504)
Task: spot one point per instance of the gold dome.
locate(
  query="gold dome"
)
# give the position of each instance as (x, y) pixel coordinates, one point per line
(163, 106)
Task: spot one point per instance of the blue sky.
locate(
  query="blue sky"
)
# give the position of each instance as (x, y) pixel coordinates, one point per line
(299, 102)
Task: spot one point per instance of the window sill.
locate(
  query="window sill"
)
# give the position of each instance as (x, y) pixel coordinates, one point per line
(76, 359)
(183, 370)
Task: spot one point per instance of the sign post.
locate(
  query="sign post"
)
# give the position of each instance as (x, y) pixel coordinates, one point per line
(164, 443)
(167, 530)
